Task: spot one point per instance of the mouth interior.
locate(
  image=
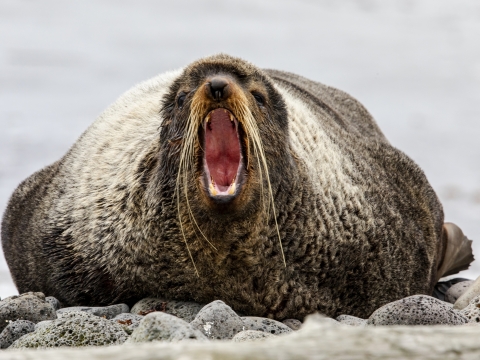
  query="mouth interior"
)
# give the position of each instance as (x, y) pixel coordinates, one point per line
(222, 151)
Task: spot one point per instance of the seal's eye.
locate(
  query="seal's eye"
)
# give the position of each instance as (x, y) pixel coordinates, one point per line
(259, 98)
(181, 99)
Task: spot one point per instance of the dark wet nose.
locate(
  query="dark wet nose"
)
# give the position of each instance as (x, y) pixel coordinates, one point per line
(218, 88)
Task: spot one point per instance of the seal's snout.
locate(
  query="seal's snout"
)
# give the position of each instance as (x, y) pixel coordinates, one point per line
(218, 88)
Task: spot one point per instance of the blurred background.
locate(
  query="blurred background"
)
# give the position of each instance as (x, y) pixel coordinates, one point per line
(415, 65)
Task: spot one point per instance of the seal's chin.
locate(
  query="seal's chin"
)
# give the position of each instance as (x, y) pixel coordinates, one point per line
(223, 159)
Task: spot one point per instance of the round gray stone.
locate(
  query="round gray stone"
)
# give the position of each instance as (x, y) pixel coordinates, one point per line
(185, 310)
(351, 320)
(160, 326)
(417, 310)
(457, 290)
(266, 325)
(14, 331)
(108, 312)
(251, 335)
(218, 321)
(74, 329)
(29, 306)
(469, 294)
(54, 302)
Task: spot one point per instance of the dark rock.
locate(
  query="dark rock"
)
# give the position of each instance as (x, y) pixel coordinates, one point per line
(15, 330)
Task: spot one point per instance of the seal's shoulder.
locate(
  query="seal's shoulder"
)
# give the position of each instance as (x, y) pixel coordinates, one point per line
(349, 111)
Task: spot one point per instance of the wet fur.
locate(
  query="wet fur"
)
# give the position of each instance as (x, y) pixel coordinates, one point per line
(359, 223)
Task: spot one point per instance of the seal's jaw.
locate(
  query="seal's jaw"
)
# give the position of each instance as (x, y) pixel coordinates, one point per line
(223, 161)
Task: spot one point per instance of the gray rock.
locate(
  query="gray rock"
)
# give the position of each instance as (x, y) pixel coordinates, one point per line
(251, 335)
(472, 311)
(457, 290)
(128, 321)
(14, 331)
(29, 306)
(293, 324)
(74, 329)
(185, 310)
(218, 321)
(108, 312)
(42, 324)
(54, 302)
(472, 292)
(351, 320)
(317, 339)
(417, 310)
(160, 326)
(266, 325)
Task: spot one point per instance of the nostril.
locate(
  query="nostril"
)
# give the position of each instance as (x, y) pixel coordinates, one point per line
(217, 87)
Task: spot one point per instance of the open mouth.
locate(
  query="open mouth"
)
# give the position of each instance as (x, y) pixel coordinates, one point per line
(223, 159)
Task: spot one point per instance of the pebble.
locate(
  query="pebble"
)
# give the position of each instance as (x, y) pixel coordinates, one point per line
(160, 326)
(15, 330)
(417, 310)
(29, 306)
(472, 311)
(74, 329)
(108, 312)
(293, 324)
(472, 292)
(266, 325)
(218, 321)
(33, 322)
(251, 335)
(441, 288)
(457, 290)
(185, 310)
(54, 302)
(128, 321)
(351, 320)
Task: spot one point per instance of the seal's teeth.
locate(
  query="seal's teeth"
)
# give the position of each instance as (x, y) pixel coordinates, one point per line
(212, 189)
(232, 188)
(230, 115)
(207, 119)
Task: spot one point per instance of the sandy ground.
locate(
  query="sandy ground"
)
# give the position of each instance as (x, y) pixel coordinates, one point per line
(415, 64)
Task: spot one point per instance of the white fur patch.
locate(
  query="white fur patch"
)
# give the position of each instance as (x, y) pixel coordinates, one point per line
(329, 168)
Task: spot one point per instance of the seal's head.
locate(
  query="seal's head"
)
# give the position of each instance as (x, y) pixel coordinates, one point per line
(224, 134)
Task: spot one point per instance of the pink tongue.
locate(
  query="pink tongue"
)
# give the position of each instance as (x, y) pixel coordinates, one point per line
(222, 149)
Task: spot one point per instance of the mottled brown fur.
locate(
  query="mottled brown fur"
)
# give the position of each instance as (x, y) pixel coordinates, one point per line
(101, 225)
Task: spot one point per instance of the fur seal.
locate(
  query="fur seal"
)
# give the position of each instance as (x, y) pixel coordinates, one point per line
(269, 191)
